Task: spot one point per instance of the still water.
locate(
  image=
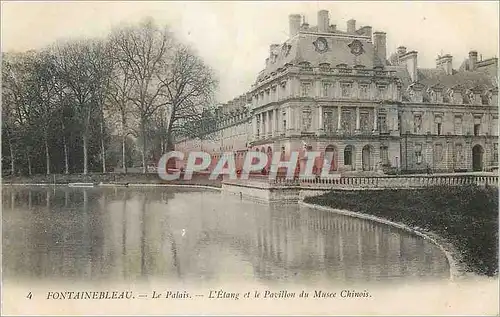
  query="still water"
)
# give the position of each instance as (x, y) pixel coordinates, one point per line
(198, 236)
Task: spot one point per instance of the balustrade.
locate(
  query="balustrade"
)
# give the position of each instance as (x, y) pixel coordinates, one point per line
(263, 181)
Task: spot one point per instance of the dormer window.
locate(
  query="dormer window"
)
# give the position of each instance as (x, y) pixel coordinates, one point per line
(305, 65)
(285, 49)
(486, 98)
(470, 97)
(324, 67)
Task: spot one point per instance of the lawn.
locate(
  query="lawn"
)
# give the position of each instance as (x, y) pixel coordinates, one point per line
(466, 216)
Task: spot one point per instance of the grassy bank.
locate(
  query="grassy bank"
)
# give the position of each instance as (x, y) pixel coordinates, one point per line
(466, 217)
(117, 178)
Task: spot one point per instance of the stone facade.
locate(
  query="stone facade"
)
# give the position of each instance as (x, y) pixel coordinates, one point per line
(338, 93)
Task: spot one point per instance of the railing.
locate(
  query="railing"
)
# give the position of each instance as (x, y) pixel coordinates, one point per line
(369, 182)
(400, 181)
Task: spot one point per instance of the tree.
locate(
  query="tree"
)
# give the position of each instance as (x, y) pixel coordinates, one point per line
(20, 119)
(42, 94)
(120, 84)
(81, 66)
(189, 86)
(143, 49)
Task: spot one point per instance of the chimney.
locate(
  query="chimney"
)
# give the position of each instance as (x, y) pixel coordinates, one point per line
(351, 26)
(323, 21)
(294, 24)
(379, 47)
(445, 63)
(410, 59)
(472, 60)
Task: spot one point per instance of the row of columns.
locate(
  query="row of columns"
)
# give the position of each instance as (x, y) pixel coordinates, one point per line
(266, 124)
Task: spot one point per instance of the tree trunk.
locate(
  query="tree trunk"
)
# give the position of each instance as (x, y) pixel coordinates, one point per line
(47, 155)
(124, 144)
(143, 131)
(29, 165)
(12, 162)
(66, 159)
(170, 143)
(85, 158)
(124, 160)
(102, 148)
(103, 157)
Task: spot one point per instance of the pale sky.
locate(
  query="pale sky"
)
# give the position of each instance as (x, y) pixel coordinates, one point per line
(234, 37)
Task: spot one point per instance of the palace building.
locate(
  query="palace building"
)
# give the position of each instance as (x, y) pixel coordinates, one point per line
(339, 92)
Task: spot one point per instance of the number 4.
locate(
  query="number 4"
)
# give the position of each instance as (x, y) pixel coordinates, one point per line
(29, 295)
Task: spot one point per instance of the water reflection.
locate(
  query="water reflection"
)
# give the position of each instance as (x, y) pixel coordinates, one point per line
(195, 236)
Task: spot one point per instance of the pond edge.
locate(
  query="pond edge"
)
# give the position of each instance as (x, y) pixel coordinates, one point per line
(116, 185)
(457, 269)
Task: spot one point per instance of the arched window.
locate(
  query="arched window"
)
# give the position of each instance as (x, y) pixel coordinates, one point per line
(348, 155)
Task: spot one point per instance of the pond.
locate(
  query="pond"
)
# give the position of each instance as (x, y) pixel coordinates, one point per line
(197, 236)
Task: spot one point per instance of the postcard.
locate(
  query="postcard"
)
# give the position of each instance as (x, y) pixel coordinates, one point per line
(249, 158)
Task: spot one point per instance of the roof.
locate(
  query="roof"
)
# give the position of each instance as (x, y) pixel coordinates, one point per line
(301, 48)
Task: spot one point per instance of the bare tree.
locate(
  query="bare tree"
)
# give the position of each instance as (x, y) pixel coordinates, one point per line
(19, 121)
(142, 49)
(79, 65)
(102, 67)
(42, 92)
(120, 84)
(189, 86)
(10, 99)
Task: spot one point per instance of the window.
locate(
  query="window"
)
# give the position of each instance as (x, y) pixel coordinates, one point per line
(477, 126)
(438, 153)
(418, 153)
(459, 158)
(284, 121)
(477, 129)
(346, 90)
(348, 155)
(495, 153)
(381, 92)
(364, 121)
(417, 124)
(306, 119)
(328, 121)
(326, 89)
(382, 123)
(438, 124)
(458, 125)
(384, 155)
(363, 91)
(347, 121)
(306, 89)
